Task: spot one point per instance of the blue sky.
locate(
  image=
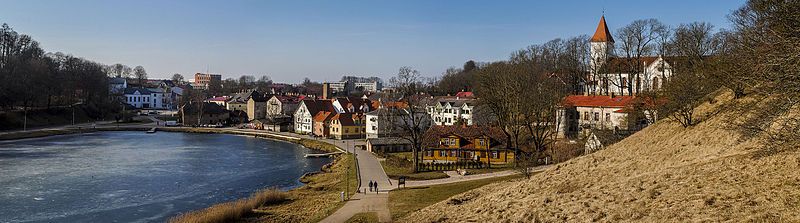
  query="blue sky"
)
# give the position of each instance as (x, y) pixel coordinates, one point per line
(323, 40)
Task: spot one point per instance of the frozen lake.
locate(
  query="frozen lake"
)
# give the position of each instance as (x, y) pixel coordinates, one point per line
(138, 177)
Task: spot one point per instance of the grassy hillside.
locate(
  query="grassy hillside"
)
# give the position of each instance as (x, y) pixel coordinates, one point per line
(708, 172)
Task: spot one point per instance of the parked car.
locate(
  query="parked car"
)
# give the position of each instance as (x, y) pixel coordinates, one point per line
(171, 123)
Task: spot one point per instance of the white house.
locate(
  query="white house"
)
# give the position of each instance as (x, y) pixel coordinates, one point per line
(304, 116)
(449, 110)
(280, 105)
(153, 98)
(582, 112)
(117, 85)
(352, 105)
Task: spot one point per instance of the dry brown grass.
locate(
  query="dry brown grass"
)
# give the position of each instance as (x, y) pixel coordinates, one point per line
(232, 211)
(663, 173)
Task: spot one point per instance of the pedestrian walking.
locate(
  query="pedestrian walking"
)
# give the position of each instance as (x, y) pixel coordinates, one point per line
(376, 187)
(370, 186)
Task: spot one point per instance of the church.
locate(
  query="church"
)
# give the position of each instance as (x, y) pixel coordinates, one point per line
(611, 75)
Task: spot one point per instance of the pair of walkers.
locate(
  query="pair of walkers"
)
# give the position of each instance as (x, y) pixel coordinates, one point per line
(373, 186)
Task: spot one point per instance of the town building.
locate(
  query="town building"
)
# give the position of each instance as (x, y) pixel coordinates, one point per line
(147, 98)
(390, 119)
(352, 105)
(256, 107)
(613, 75)
(466, 143)
(347, 126)
(117, 85)
(219, 100)
(304, 116)
(212, 114)
(280, 105)
(238, 102)
(204, 80)
(322, 123)
(451, 110)
(388, 145)
(583, 112)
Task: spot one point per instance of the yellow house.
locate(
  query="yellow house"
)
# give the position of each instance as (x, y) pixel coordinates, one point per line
(466, 143)
(348, 126)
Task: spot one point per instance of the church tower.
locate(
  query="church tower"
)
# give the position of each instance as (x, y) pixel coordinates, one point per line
(602, 45)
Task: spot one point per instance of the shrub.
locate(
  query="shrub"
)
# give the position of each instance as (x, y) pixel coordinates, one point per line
(231, 211)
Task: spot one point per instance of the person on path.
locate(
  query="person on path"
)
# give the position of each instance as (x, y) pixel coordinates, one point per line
(370, 186)
(376, 187)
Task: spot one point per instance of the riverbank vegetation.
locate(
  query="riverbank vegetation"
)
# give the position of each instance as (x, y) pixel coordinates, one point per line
(407, 200)
(232, 211)
(317, 199)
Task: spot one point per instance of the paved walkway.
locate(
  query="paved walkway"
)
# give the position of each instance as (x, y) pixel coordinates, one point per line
(369, 170)
(455, 177)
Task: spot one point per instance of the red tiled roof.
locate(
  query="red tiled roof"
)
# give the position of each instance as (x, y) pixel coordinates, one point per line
(602, 34)
(220, 98)
(345, 119)
(465, 94)
(597, 101)
(323, 116)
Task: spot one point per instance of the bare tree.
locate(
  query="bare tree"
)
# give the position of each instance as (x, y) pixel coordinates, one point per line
(412, 121)
(177, 78)
(140, 74)
(637, 40)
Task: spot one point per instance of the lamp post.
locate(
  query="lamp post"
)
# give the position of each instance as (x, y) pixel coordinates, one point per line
(73, 111)
(25, 119)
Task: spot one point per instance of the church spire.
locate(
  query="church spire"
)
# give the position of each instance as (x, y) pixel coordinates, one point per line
(602, 34)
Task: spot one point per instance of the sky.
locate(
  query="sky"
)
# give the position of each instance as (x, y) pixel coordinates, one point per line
(323, 39)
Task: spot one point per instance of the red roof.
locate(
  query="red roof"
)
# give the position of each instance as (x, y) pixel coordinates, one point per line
(597, 101)
(220, 98)
(602, 34)
(323, 116)
(464, 94)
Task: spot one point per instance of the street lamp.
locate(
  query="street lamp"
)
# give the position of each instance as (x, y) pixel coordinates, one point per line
(73, 111)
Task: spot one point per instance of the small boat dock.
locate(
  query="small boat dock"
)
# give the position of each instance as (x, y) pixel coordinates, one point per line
(320, 155)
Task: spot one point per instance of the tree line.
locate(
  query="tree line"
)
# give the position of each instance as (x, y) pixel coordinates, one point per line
(33, 78)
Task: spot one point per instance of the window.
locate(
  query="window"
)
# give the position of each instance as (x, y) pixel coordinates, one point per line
(429, 153)
(442, 153)
(608, 117)
(586, 116)
(374, 127)
(481, 142)
(495, 155)
(597, 116)
(453, 153)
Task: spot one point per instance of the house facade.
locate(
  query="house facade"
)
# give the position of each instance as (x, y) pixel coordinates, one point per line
(388, 145)
(282, 105)
(304, 116)
(322, 123)
(451, 110)
(347, 126)
(117, 85)
(147, 98)
(602, 112)
(256, 108)
(466, 143)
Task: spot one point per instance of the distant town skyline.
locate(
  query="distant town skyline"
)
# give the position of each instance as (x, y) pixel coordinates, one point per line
(323, 40)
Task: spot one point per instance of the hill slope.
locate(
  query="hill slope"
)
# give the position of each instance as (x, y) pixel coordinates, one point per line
(662, 173)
